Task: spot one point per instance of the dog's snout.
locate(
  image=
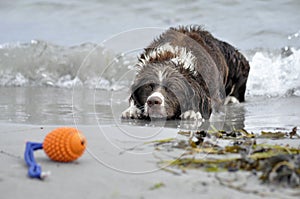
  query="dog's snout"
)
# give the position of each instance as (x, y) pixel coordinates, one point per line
(154, 100)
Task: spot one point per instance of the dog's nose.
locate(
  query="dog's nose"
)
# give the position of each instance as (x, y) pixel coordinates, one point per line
(154, 100)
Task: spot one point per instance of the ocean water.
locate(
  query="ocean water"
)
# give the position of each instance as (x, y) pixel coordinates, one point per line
(72, 61)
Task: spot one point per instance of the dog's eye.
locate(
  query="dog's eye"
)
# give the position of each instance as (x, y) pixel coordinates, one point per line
(149, 87)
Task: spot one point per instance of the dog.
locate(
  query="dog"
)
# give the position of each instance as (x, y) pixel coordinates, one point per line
(186, 73)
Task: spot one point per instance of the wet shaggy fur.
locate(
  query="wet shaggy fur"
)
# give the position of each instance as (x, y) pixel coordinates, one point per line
(192, 70)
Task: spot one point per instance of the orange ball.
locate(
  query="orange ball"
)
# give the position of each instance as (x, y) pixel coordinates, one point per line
(64, 144)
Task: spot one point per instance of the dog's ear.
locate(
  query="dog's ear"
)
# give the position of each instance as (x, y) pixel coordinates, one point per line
(205, 107)
(130, 100)
(201, 102)
(134, 93)
(133, 98)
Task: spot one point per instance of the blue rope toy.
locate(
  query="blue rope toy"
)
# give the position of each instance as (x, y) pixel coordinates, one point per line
(34, 169)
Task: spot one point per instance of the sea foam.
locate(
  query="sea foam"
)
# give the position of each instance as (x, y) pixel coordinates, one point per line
(39, 63)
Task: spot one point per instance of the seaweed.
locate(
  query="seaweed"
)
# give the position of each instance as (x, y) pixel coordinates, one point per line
(294, 133)
(236, 133)
(280, 134)
(273, 135)
(157, 186)
(162, 141)
(282, 169)
(277, 164)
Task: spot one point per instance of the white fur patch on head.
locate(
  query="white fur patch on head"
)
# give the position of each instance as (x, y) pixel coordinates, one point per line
(160, 76)
(181, 57)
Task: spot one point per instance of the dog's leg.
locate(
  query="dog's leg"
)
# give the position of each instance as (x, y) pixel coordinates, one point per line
(231, 100)
(239, 92)
(191, 115)
(132, 112)
(238, 72)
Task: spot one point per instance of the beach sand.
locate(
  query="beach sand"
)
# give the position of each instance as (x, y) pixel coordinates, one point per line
(118, 166)
(119, 161)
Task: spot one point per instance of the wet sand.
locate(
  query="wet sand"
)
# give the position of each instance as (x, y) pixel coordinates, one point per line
(117, 162)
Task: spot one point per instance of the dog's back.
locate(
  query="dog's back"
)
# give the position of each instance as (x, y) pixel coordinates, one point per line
(231, 64)
(212, 69)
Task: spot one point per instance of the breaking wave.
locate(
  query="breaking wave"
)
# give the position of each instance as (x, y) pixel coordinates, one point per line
(39, 63)
(275, 73)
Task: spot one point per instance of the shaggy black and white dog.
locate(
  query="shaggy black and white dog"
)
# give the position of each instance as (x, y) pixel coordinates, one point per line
(186, 73)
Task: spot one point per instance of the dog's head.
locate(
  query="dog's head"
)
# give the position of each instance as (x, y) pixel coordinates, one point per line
(161, 90)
